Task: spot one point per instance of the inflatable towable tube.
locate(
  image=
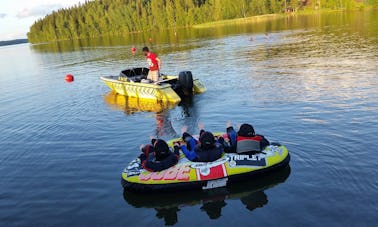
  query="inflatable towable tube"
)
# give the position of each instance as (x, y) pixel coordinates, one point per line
(187, 175)
(249, 192)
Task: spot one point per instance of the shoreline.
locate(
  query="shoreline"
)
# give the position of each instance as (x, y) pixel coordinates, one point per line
(265, 17)
(243, 20)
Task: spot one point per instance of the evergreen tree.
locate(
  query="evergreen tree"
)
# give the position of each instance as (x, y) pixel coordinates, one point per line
(118, 17)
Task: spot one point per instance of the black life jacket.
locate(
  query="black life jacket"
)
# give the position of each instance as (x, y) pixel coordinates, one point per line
(151, 164)
(209, 155)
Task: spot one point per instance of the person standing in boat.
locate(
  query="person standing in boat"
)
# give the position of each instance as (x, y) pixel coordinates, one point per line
(154, 64)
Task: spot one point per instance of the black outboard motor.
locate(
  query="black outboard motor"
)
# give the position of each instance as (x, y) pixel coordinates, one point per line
(186, 82)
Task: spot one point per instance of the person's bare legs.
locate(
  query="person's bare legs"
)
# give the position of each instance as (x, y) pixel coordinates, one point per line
(153, 76)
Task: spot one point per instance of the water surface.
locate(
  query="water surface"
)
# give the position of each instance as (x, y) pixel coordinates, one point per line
(310, 84)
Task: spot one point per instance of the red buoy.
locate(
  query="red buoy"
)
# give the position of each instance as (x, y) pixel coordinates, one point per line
(69, 78)
(133, 50)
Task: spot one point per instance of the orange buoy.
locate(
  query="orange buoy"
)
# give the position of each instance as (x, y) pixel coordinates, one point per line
(69, 78)
(133, 50)
(150, 40)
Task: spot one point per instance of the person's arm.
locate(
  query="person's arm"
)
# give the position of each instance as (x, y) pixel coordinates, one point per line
(202, 131)
(148, 163)
(159, 61)
(146, 151)
(192, 144)
(153, 140)
(201, 127)
(176, 150)
(153, 166)
(227, 147)
(190, 154)
(264, 142)
(232, 136)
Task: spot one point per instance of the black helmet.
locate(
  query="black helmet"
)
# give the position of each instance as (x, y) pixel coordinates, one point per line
(161, 149)
(246, 130)
(186, 137)
(207, 140)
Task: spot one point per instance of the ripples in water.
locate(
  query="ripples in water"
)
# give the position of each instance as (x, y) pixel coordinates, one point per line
(312, 86)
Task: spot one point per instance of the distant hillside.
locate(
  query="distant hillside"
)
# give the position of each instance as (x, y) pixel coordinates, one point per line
(12, 42)
(119, 17)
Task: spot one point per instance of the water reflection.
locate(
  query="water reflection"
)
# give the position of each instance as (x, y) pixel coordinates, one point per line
(131, 105)
(164, 125)
(251, 194)
(161, 111)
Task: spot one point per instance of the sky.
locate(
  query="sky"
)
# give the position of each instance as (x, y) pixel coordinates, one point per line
(16, 16)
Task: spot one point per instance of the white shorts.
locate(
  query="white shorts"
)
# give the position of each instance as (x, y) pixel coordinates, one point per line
(153, 75)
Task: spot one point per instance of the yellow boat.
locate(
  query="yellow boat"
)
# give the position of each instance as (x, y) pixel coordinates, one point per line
(133, 83)
(187, 175)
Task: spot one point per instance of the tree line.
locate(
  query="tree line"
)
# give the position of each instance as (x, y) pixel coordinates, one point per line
(119, 17)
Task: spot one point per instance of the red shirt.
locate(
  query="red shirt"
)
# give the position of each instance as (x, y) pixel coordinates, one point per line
(152, 62)
(256, 138)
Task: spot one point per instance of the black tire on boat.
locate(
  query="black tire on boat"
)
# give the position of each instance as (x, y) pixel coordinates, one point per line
(186, 82)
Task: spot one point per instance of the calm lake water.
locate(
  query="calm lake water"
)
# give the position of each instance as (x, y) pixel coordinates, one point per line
(312, 85)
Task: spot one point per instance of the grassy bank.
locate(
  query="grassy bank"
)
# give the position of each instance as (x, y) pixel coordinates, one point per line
(243, 20)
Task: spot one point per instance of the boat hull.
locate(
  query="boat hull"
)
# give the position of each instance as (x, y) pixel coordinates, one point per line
(159, 92)
(163, 93)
